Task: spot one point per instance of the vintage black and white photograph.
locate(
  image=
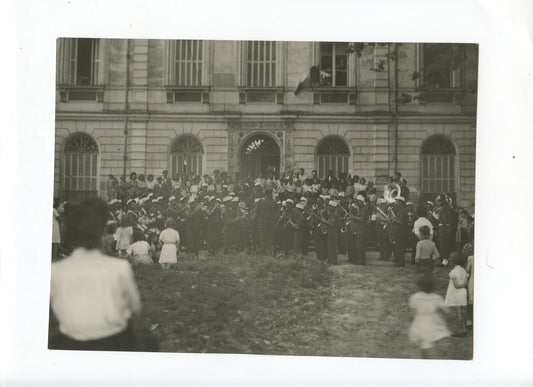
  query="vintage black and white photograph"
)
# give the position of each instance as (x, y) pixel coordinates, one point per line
(311, 198)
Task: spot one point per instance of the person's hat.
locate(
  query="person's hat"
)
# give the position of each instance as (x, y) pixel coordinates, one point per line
(171, 198)
(155, 200)
(303, 199)
(150, 195)
(300, 206)
(333, 203)
(204, 185)
(141, 201)
(278, 203)
(360, 198)
(257, 184)
(323, 197)
(211, 198)
(409, 203)
(131, 201)
(160, 198)
(218, 200)
(224, 186)
(340, 194)
(401, 198)
(289, 201)
(381, 201)
(226, 199)
(256, 200)
(235, 199)
(232, 194)
(242, 205)
(284, 203)
(113, 201)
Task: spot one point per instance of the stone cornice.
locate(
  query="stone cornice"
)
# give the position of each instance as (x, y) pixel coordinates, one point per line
(262, 121)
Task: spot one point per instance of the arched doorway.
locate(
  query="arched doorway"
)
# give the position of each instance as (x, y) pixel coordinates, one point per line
(186, 156)
(80, 167)
(259, 153)
(437, 168)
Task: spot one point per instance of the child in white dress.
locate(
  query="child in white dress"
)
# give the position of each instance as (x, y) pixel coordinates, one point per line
(123, 236)
(427, 308)
(170, 241)
(456, 295)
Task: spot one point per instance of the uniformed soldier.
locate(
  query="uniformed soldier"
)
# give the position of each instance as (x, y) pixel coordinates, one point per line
(320, 228)
(361, 222)
(331, 218)
(444, 215)
(229, 216)
(297, 224)
(266, 215)
(383, 230)
(398, 216)
(194, 223)
(214, 224)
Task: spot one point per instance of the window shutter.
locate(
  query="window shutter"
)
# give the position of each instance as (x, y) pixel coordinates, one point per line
(72, 54)
(95, 62)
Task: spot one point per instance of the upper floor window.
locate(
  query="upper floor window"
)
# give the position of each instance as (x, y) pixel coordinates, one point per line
(79, 61)
(438, 65)
(188, 62)
(260, 64)
(333, 64)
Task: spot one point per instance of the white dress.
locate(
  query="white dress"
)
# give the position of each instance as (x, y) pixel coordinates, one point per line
(454, 296)
(427, 326)
(169, 237)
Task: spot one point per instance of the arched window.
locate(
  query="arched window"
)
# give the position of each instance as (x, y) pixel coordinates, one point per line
(80, 171)
(332, 155)
(437, 167)
(186, 156)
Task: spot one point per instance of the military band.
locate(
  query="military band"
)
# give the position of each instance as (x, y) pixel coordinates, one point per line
(331, 224)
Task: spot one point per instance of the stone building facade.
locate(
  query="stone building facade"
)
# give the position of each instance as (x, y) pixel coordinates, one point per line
(126, 105)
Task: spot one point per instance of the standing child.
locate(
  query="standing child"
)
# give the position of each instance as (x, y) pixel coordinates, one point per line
(426, 251)
(456, 295)
(108, 240)
(139, 251)
(468, 251)
(428, 326)
(170, 241)
(123, 236)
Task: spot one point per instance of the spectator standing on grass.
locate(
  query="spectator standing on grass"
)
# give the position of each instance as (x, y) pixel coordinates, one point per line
(468, 251)
(426, 251)
(169, 240)
(93, 296)
(456, 295)
(427, 307)
(123, 236)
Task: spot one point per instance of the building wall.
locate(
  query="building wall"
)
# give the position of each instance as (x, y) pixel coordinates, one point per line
(141, 114)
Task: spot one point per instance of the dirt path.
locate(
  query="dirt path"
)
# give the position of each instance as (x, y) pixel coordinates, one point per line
(369, 316)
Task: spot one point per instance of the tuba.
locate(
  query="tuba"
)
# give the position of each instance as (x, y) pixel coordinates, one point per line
(392, 192)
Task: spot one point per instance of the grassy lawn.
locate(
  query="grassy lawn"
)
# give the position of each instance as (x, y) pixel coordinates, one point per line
(285, 306)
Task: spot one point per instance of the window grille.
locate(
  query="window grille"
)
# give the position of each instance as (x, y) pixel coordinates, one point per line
(188, 62)
(333, 155)
(80, 167)
(437, 167)
(186, 156)
(261, 64)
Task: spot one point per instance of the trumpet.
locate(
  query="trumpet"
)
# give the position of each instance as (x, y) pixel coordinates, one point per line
(321, 220)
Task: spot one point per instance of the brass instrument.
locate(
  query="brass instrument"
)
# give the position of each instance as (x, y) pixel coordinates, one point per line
(321, 223)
